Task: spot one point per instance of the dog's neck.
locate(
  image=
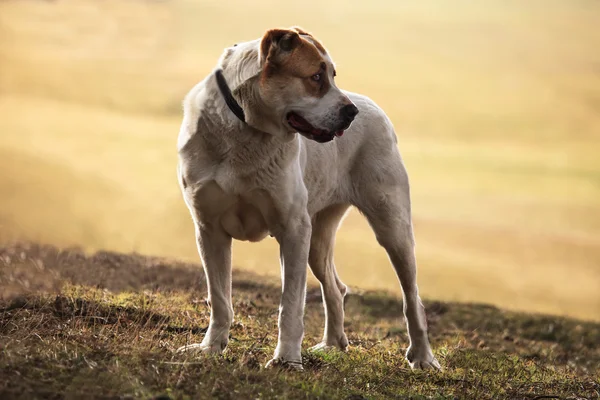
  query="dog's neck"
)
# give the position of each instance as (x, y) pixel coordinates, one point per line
(230, 100)
(257, 113)
(237, 79)
(225, 136)
(221, 130)
(233, 142)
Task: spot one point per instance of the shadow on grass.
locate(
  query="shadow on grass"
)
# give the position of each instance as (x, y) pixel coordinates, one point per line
(116, 272)
(89, 312)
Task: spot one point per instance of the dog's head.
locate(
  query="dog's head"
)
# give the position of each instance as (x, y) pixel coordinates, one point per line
(297, 89)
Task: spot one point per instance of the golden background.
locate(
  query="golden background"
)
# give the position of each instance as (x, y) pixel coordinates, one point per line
(496, 105)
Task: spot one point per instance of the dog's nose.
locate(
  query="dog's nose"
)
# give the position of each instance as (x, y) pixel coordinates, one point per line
(349, 111)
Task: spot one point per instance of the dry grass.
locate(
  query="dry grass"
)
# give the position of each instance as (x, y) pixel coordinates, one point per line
(107, 326)
(496, 106)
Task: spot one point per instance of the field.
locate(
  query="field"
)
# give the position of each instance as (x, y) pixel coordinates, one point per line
(107, 326)
(496, 106)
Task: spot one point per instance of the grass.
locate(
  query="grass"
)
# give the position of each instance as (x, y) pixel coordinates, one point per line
(107, 325)
(495, 105)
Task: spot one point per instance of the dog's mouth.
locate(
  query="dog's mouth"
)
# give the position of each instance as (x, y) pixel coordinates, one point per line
(307, 130)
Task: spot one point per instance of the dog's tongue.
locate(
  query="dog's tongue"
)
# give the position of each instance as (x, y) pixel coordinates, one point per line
(339, 133)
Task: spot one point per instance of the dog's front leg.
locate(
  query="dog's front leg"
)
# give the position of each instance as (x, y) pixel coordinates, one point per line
(294, 244)
(214, 247)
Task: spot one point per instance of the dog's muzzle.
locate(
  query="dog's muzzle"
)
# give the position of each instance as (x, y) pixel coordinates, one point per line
(303, 127)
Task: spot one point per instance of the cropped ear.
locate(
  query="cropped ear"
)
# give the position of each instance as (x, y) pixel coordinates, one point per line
(312, 38)
(277, 42)
(300, 31)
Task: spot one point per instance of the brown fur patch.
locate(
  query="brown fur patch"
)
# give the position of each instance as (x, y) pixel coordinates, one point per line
(314, 40)
(303, 60)
(272, 38)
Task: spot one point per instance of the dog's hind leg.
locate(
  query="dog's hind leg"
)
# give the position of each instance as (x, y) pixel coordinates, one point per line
(214, 246)
(320, 259)
(384, 199)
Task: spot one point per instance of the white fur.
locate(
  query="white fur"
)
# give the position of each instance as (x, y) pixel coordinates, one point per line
(243, 183)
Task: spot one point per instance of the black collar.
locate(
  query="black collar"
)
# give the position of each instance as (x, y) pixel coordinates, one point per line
(232, 103)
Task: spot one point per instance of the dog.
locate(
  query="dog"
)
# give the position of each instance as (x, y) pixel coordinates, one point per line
(269, 145)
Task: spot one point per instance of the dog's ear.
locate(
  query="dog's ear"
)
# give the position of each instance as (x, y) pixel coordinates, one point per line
(314, 41)
(277, 42)
(300, 31)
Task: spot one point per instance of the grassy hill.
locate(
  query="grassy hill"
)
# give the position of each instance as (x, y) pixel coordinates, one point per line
(107, 325)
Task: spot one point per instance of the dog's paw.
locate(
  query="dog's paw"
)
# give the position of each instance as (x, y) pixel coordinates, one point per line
(426, 364)
(214, 347)
(341, 343)
(422, 359)
(324, 346)
(293, 365)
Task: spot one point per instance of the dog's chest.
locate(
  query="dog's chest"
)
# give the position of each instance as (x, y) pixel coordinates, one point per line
(245, 215)
(233, 183)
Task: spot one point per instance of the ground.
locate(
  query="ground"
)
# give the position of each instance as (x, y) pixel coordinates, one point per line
(106, 325)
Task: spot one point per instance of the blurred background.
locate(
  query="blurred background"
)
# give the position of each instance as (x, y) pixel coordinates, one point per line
(496, 105)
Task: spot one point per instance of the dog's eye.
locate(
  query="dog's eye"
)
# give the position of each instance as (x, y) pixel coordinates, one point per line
(316, 77)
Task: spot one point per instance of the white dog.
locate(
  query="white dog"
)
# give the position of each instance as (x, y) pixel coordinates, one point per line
(257, 156)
